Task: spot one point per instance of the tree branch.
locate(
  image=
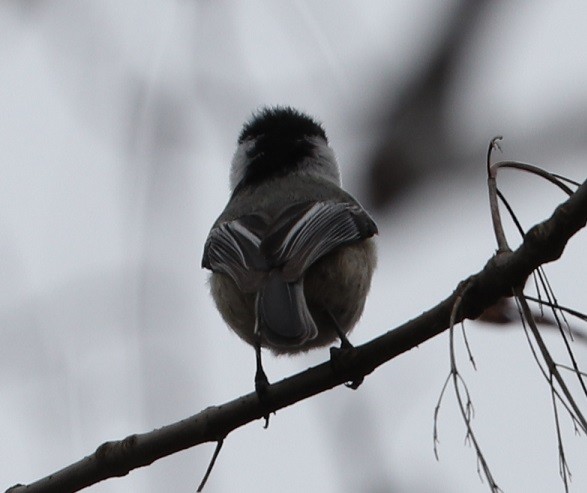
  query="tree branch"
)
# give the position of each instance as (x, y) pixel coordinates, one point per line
(543, 243)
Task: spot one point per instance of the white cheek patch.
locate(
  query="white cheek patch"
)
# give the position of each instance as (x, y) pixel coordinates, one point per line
(323, 163)
(239, 164)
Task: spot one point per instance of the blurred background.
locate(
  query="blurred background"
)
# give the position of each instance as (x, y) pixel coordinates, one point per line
(119, 120)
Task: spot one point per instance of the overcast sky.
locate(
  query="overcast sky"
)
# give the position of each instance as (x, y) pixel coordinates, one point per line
(119, 120)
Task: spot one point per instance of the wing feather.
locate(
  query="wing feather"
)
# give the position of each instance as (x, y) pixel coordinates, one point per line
(301, 235)
(233, 248)
(247, 248)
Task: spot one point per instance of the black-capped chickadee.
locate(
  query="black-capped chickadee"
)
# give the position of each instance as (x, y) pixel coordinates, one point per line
(292, 254)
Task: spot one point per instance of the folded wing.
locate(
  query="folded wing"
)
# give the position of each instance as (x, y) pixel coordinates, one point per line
(305, 232)
(233, 248)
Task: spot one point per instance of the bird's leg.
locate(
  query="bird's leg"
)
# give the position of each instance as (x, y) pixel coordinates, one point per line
(344, 352)
(261, 381)
(344, 341)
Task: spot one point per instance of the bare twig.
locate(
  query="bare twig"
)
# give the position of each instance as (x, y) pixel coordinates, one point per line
(466, 341)
(565, 309)
(436, 411)
(550, 363)
(530, 168)
(217, 449)
(467, 409)
(543, 370)
(567, 367)
(564, 471)
(493, 194)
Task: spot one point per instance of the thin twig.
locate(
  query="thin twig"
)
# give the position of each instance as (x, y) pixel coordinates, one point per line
(219, 444)
(435, 439)
(467, 409)
(530, 168)
(564, 471)
(550, 364)
(493, 205)
(466, 341)
(554, 302)
(543, 371)
(565, 309)
(566, 367)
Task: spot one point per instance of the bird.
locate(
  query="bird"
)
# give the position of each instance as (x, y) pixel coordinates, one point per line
(292, 254)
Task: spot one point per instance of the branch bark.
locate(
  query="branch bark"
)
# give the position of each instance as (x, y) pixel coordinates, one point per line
(504, 272)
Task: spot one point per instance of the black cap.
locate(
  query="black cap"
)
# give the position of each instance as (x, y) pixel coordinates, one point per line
(282, 122)
(282, 140)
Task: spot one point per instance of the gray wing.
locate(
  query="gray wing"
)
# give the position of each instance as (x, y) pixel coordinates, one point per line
(233, 248)
(246, 249)
(305, 232)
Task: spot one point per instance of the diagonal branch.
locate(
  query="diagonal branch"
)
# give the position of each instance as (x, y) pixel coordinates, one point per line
(543, 243)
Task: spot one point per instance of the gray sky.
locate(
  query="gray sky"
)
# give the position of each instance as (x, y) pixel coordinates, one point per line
(118, 124)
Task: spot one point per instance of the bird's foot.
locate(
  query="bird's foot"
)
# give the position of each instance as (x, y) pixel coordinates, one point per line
(261, 387)
(342, 358)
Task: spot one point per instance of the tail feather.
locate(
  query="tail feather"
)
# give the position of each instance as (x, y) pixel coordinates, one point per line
(283, 313)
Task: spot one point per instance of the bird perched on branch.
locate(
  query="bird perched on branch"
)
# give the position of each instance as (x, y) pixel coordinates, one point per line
(292, 254)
